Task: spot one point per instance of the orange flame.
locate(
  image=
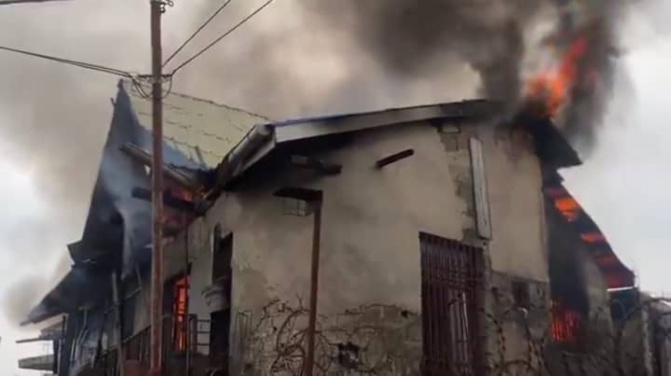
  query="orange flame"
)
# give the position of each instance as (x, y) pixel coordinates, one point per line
(569, 208)
(593, 237)
(565, 323)
(552, 88)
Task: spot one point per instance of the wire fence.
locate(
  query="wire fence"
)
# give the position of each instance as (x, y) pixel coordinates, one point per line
(387, 340)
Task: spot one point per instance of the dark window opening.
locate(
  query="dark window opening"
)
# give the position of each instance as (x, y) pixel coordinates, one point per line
(521, 294)
(451, 299)
(219, 333)
(221, 255)
(220, 321)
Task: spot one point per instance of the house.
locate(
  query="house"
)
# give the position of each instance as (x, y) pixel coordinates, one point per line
(433, 239)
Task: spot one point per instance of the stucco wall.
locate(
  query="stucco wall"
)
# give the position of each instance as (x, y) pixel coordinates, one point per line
(370, 249)
(517, 209)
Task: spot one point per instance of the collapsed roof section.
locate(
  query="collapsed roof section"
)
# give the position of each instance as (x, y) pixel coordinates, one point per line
(197, 135)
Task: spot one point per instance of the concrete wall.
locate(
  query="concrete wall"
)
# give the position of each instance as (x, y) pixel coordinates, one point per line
(517, 207)
(370, 259)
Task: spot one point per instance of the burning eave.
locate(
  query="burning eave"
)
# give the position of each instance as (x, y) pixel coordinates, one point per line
(614, 272)
(551, 146)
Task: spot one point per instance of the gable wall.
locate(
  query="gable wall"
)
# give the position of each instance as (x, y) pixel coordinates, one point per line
(369, 270)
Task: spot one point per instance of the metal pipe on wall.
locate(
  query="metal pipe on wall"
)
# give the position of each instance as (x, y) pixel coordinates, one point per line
(314, 286)
(314, 198)
(187, 277)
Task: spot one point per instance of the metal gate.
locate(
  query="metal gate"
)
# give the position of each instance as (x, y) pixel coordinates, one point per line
(451, 300)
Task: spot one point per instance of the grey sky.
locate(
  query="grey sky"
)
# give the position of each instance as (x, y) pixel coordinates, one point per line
(53, 120)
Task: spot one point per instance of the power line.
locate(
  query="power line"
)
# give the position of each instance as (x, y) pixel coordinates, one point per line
(204, 25)
(99, 68)
(10, 2)
(227, 33)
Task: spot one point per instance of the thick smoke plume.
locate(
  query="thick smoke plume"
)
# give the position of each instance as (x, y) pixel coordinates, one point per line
(505, 41)
(297, 58)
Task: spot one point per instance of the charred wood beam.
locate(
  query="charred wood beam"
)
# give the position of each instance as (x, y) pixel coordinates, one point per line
(394, 158)
(31, 340)
(168, 199)
(316, 164)
(145, 158)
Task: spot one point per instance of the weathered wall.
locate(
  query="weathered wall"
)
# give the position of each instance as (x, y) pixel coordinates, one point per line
(370, 267)
(370, 248)
(517, 209)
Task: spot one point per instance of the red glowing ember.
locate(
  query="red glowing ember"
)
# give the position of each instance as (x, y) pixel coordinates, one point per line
(569, 208)
(566, 323)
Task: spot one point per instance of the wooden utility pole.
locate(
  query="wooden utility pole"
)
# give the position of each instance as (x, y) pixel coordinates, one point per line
(155, 356)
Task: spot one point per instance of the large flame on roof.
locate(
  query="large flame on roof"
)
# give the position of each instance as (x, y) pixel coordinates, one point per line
(551, 88)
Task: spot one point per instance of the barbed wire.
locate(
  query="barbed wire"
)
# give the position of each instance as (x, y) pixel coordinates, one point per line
(515, 342)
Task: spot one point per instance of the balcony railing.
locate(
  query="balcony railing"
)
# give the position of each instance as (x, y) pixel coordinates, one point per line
(137, 347)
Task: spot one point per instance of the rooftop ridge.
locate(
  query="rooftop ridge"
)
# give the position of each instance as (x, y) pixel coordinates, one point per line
(132, 84)
(338, 115)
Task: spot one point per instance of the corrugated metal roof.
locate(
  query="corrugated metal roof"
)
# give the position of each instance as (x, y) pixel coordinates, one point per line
(203, 131)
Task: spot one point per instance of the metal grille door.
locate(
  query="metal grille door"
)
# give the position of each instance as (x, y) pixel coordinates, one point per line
(451, 292)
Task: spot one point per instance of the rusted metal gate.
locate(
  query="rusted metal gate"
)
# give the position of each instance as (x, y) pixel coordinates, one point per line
(451, 300)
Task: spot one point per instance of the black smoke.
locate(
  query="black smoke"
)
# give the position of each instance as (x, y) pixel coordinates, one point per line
(495, 38)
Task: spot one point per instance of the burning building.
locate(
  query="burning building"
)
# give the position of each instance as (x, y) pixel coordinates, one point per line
(419, 235)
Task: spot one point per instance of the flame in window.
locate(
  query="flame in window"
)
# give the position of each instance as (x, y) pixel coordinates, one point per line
(180, 314)
(566, 323)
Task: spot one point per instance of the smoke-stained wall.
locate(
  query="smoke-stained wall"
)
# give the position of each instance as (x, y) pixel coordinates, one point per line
(370, 266)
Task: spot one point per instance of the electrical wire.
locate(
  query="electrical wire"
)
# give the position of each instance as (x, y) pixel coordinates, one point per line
(226, 34)
(138, 85)
(10, 2)
(99, 68)
(200, 28)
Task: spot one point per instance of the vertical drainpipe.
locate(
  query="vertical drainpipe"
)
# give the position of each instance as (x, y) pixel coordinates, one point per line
(315, 199)
(314, 285)
(187, 279)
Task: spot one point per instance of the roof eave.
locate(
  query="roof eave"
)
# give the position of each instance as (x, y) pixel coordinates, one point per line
(262, 139)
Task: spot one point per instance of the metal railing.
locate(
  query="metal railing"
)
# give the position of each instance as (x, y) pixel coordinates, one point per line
(137, 347)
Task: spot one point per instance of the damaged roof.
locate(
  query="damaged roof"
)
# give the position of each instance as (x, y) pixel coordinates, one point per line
(201, 130)
(201, 135)
(613, 270)
(197, 133)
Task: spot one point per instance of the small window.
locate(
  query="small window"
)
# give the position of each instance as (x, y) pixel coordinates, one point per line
(521, 294)
(222, 253)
